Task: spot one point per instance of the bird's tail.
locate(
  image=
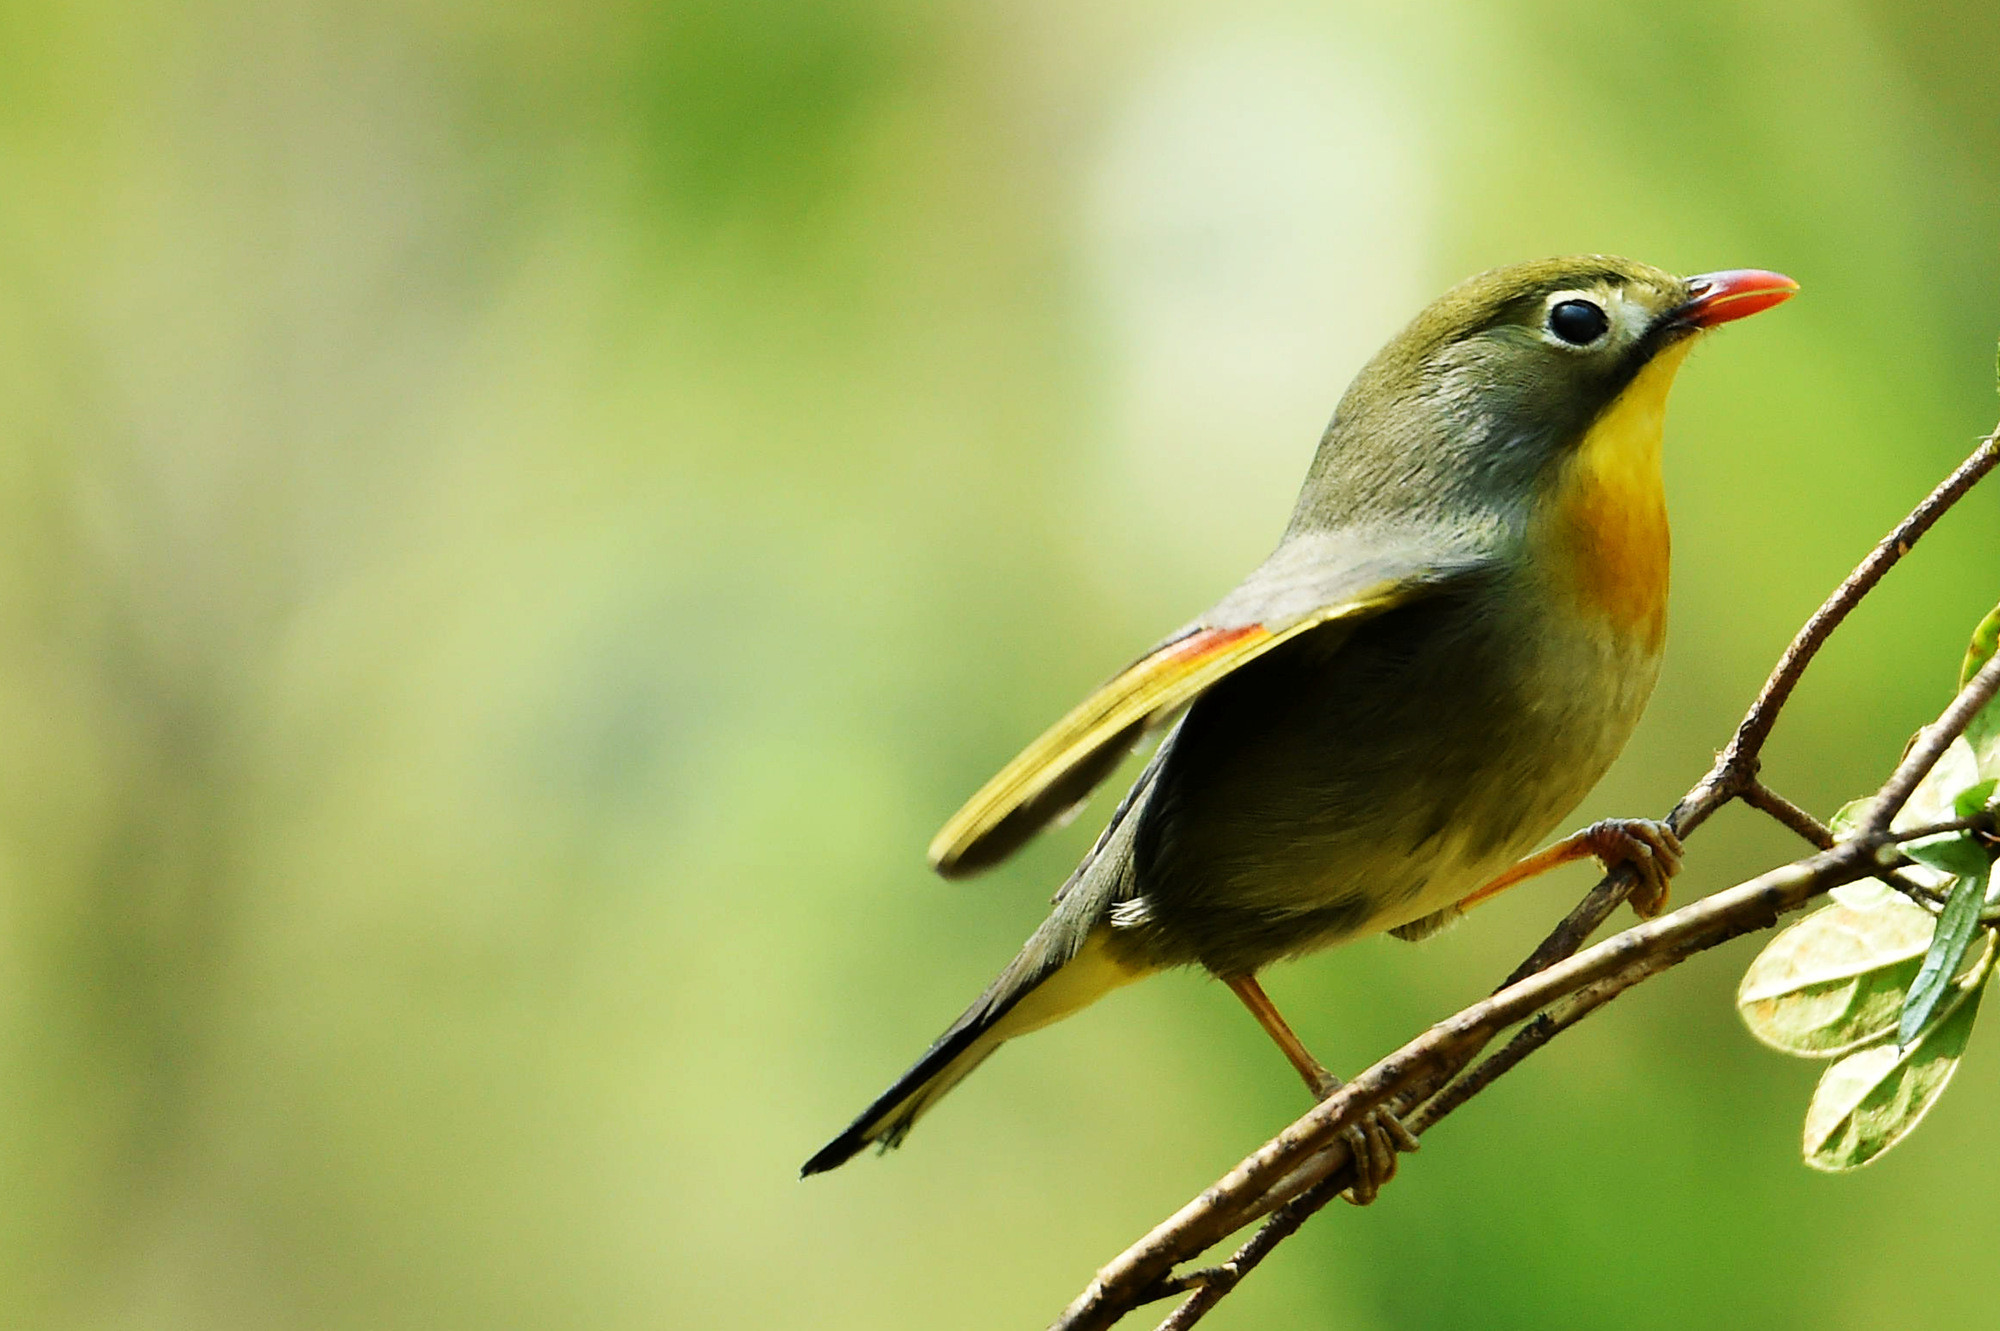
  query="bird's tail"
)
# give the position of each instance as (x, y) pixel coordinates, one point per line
(1052, 978)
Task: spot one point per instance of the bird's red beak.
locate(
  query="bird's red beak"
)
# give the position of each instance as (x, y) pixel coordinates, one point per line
(1716, 298)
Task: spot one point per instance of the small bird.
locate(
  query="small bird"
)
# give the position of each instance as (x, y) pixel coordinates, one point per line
(1450, 644)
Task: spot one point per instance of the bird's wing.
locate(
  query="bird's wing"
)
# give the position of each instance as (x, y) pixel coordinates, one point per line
(1296, 591)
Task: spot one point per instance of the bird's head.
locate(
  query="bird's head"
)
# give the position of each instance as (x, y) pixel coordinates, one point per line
(1506, 372)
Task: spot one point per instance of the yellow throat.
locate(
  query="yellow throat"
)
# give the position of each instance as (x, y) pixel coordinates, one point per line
(1605, 536)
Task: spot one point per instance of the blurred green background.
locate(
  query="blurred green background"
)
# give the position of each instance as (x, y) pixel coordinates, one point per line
(518, 521)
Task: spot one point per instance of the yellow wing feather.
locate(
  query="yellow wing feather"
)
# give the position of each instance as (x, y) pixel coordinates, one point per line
(1143, 695)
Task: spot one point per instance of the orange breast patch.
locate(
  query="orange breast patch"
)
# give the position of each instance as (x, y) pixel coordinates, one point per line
(1606, 542)
(1615, 546)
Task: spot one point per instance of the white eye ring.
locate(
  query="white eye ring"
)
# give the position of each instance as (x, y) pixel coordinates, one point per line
(1575, 320)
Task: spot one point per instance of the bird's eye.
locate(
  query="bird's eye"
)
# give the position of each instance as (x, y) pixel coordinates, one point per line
(1578, 322)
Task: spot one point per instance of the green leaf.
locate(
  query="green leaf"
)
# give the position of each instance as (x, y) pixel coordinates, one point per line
(1847, 819)
(1836, 979)
(1873, 1098)
(1983, 735)
(1984, 732)
(1933, 799)
(1956, 925)
(1954, 853)
(1866, 893)
(1985, 641)
(1972, 801)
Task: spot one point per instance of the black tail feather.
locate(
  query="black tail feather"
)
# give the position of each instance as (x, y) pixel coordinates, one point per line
(1081, 907)
(869, 1126)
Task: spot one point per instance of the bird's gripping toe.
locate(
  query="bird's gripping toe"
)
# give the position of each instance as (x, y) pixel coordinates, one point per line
(1650, 847)
(1375, 1143)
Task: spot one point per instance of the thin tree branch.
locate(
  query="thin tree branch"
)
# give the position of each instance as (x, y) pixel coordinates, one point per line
(1982, 823)
(1618, 962)
(1212, 1284)
(1746, 746)
(1819, 834)
(1307, 1165)
(1930, 747)
(1760, 796)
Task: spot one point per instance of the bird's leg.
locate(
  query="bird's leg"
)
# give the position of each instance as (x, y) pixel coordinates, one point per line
(1318, 1080)
(1649, 847)
(1375, 1140)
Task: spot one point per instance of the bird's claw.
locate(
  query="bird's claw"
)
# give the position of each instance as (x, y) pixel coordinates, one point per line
(1375, 1143)
(1650, 847)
